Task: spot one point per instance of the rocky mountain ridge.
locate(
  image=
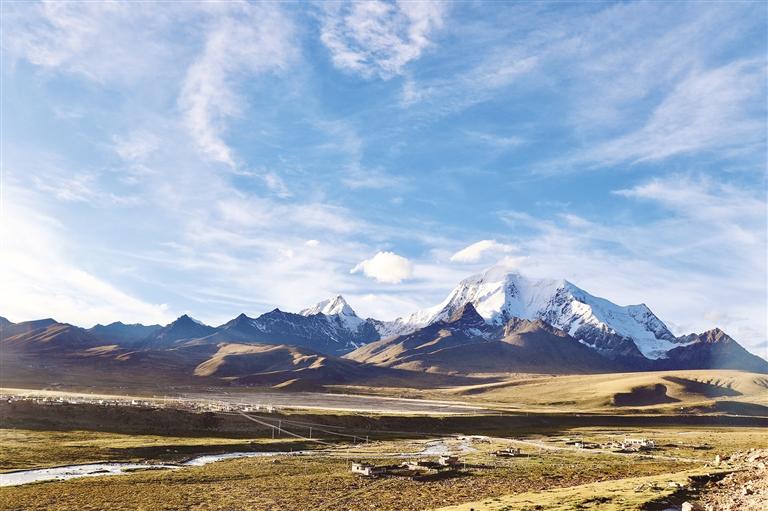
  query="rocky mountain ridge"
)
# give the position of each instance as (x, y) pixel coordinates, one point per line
(484, 312)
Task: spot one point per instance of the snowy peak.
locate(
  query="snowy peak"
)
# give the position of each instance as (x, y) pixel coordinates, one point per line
(330, 307)
(496, 294)
(336, 310)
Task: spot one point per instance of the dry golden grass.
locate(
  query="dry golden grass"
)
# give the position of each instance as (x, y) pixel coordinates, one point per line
(597, 392)
(323, 481)
(301, 483)
(630, 494)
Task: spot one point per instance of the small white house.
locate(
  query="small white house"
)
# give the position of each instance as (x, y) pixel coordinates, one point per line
(448, 461)
(638, 444)
(365, 469)
(509, 452)
(417, 465)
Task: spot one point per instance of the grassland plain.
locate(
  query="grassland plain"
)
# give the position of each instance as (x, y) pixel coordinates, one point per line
(632, 493)
(310, 482)
(551, 473)
(538, 418)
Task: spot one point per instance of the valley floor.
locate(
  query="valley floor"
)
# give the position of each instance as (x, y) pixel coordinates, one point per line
(552, 472)
(567, 428)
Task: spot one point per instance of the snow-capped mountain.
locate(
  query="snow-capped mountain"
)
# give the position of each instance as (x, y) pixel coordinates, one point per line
(330, 307)
(499, 295)
(466, 343)
(330, 326)
(481, 319)
(336, 309)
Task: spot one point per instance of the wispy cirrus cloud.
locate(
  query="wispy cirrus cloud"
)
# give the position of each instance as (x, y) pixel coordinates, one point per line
(252, 39)
(666, 70)
(135, 146)
(105, 42)
(710, 110)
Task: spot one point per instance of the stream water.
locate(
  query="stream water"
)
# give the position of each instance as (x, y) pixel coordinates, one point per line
(435, 447)
(110, 469)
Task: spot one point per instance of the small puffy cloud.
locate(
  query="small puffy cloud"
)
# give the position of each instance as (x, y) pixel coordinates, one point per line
(476, 251)
(312, 243)
(386, 267)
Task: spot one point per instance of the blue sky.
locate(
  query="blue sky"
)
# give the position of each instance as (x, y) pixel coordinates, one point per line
(218, 158)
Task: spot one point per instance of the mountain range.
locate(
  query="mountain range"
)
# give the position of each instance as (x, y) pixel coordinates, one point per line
(494, 322)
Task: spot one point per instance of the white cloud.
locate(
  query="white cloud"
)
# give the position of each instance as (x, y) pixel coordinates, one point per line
(127, 43)
(359, 178)
(477, 251)
(494, 140)
(92, 39)
(312, 243)
(41, 280)
(76, 188)
(481, 82)
(136, 146)
(385, 267)
(251, 212)
(276, 184)
(377, 38)
(707, 111)
(253, 39)
(703, 200)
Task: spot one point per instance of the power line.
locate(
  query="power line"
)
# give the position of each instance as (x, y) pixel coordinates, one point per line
(289, 433)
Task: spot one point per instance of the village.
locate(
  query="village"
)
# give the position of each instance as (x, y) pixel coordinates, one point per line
(446, 465)
(416, 469)
(186, 404)
(627, 445)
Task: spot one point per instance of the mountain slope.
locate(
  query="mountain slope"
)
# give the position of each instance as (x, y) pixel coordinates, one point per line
(182, 328)
(713, 349)
(297, 368)
(465, 343)
(52, 339)
(9, 329)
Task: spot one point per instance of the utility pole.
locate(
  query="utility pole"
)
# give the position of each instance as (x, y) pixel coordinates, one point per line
(279, 428)
(310, 432)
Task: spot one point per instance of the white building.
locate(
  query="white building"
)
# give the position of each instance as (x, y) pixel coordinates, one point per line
(365, 469)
